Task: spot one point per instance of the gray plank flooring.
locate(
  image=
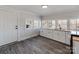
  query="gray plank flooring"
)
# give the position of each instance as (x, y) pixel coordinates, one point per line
(36, 45)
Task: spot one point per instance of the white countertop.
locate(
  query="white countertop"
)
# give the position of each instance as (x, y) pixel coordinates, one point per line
(71, 31)
(75, 32)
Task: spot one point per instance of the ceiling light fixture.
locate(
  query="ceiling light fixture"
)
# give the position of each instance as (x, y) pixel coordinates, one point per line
(44, 6)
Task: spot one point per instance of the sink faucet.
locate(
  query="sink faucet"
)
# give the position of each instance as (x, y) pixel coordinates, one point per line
(60, 27)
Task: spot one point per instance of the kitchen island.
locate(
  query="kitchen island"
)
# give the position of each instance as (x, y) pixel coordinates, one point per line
(74, 42)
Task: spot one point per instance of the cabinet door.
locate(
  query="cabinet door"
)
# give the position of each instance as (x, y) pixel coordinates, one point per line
(67, 38)
(55, 35)
(45, 33)
(76, 47)
(8, 31)
(50, 34)
(59, 36)
(62, 36)
(21, 27)
(41, 32)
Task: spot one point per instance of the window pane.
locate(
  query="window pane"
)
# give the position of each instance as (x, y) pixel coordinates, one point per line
(73, 24)
(78, 24)
(36, 24)
(72, 27)
(49, 24)
(62, 24)
(53, 24)
(46, 24)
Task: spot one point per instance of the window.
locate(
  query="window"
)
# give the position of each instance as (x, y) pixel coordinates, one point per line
(73, 24)
(36, 24)
(53, 24)
(62, 24)
(77, 24)
(44, 24)
(49, 24)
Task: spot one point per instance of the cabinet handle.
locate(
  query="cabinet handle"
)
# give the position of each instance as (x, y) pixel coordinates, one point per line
(16, 27)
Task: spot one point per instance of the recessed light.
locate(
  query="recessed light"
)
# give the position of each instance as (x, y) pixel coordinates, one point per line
(44, 6)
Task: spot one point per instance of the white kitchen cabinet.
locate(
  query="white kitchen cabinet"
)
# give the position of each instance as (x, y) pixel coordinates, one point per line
(61, 36)
(67, 37)
(47, 33)
(55, 37)
(43, 32)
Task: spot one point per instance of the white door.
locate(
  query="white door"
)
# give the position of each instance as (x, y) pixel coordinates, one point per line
(21, 27)
(8, 31)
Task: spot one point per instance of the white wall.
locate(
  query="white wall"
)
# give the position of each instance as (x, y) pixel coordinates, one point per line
(9, 18)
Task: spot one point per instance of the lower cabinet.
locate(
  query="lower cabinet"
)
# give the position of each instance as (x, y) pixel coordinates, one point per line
(67, 37)
(76, 47)
(46, 33)
(55, 35)
(61, 36)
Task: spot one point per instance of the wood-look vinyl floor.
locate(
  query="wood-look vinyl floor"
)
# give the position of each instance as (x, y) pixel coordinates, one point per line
(36, 45)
